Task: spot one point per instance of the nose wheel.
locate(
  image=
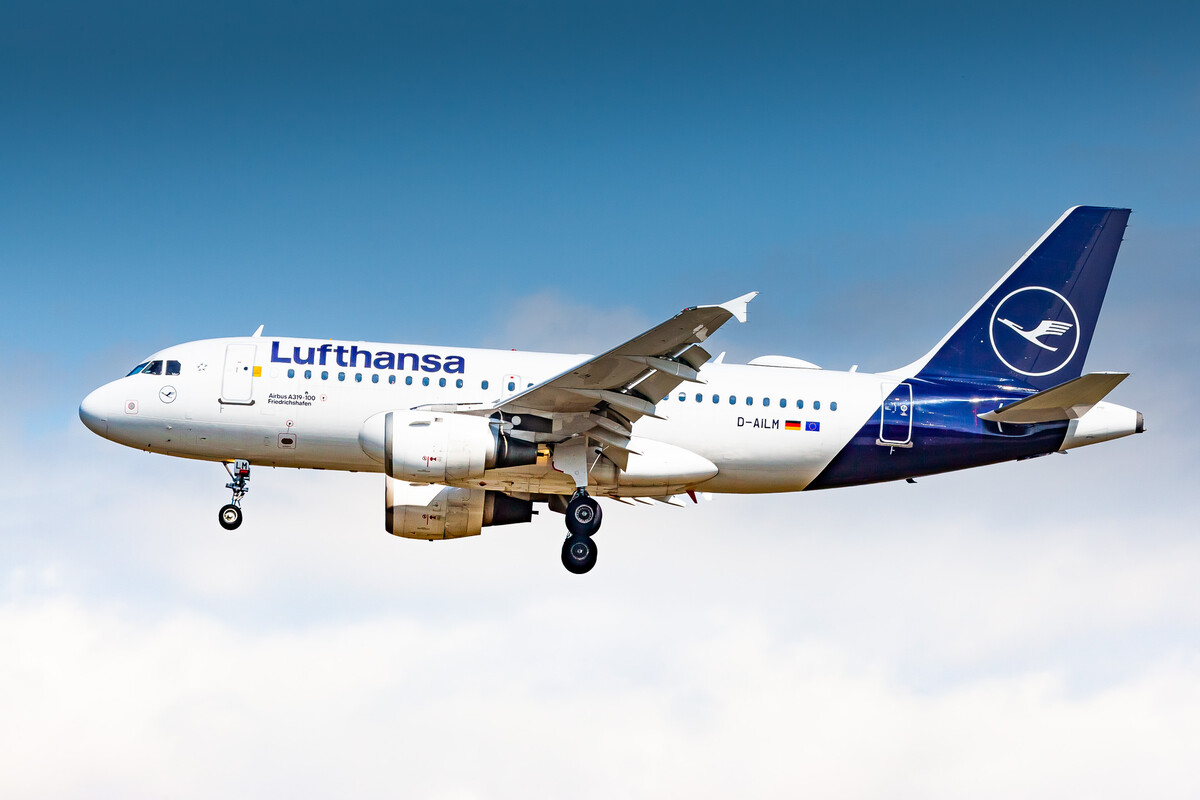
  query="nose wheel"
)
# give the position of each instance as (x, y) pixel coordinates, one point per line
(583, 520)
(230, 515)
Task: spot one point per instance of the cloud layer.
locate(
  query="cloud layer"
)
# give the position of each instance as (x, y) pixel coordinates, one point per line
(999, 632)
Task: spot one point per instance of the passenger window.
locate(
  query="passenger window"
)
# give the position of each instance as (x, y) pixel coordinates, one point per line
(749, 401)
(682, 397)
(442, 382)
(291, 373)
(375, 378)
(391, 378)
(173, 367)
(153, 368)
(341, 376)
(699, 398)
(424, 381)
(833, 406)
(799, 404)
(766, 401)
(358, 377)
(458, 384)
(782, 403)
(816, 405)
(307, 374)
(716, 398)
(324, 375)
(483, 385)
(732, 399)
(408, 380)
(136, 369)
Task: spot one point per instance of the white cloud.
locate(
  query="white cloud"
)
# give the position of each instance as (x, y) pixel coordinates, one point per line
(1027, 629)
(550, 702)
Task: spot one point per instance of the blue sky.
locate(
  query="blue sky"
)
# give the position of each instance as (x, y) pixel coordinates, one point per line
(288, 162)
(539, 175)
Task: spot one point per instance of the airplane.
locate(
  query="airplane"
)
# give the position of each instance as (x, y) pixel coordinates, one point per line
(472, 438)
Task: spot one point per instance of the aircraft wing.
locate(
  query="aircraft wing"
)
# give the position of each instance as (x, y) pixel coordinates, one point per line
(629, 379)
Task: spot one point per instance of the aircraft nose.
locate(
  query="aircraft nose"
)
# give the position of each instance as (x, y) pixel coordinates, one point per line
(93, 414)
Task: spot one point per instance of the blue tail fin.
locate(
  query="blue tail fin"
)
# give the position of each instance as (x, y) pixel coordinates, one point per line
(1035, 326)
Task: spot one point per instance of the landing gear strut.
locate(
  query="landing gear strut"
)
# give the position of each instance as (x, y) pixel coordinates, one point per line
(583, 520)
(230, 515)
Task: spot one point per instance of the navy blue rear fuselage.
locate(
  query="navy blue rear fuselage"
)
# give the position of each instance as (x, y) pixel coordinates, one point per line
(947, 434)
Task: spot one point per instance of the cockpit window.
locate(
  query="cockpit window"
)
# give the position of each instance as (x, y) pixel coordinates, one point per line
(136, 369)
(172, 368)
(153, 368)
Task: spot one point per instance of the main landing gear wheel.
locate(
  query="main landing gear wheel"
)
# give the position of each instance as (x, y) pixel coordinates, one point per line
(579, 554)
(230, 517)
(583, 516)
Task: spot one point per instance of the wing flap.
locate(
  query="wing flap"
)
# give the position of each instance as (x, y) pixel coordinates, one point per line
(695, 356)
(1070, 400)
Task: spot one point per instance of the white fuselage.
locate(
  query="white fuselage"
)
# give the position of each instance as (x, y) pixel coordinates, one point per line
(745, 428)
(238, 398)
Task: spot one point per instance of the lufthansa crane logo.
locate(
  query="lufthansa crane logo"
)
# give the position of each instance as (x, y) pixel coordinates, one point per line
(1034, 331)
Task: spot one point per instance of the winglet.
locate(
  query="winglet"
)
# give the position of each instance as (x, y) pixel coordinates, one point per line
(258, 332)
(737, 306)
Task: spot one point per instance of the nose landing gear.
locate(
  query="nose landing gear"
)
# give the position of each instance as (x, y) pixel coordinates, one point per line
(230, 515)
(583, 520)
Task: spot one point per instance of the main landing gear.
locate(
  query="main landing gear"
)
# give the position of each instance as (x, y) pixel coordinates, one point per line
(230, 515)
(583, 520)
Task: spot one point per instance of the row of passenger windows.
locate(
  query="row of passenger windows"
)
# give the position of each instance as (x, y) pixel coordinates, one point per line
(408, 379)
(458, 384)
(391, 379)
(174, 367)
(766, 401)
(156, 368)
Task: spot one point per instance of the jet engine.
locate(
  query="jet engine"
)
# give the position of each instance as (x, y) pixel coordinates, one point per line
(423, 511)
(441, 447)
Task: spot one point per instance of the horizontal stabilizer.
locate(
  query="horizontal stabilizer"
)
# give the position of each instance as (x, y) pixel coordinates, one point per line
(1070, 400)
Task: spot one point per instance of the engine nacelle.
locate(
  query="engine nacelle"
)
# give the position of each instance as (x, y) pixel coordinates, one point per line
(422, 511)
(440, 446)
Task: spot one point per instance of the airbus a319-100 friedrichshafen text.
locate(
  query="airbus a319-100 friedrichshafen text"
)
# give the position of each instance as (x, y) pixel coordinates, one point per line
(469, 438)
